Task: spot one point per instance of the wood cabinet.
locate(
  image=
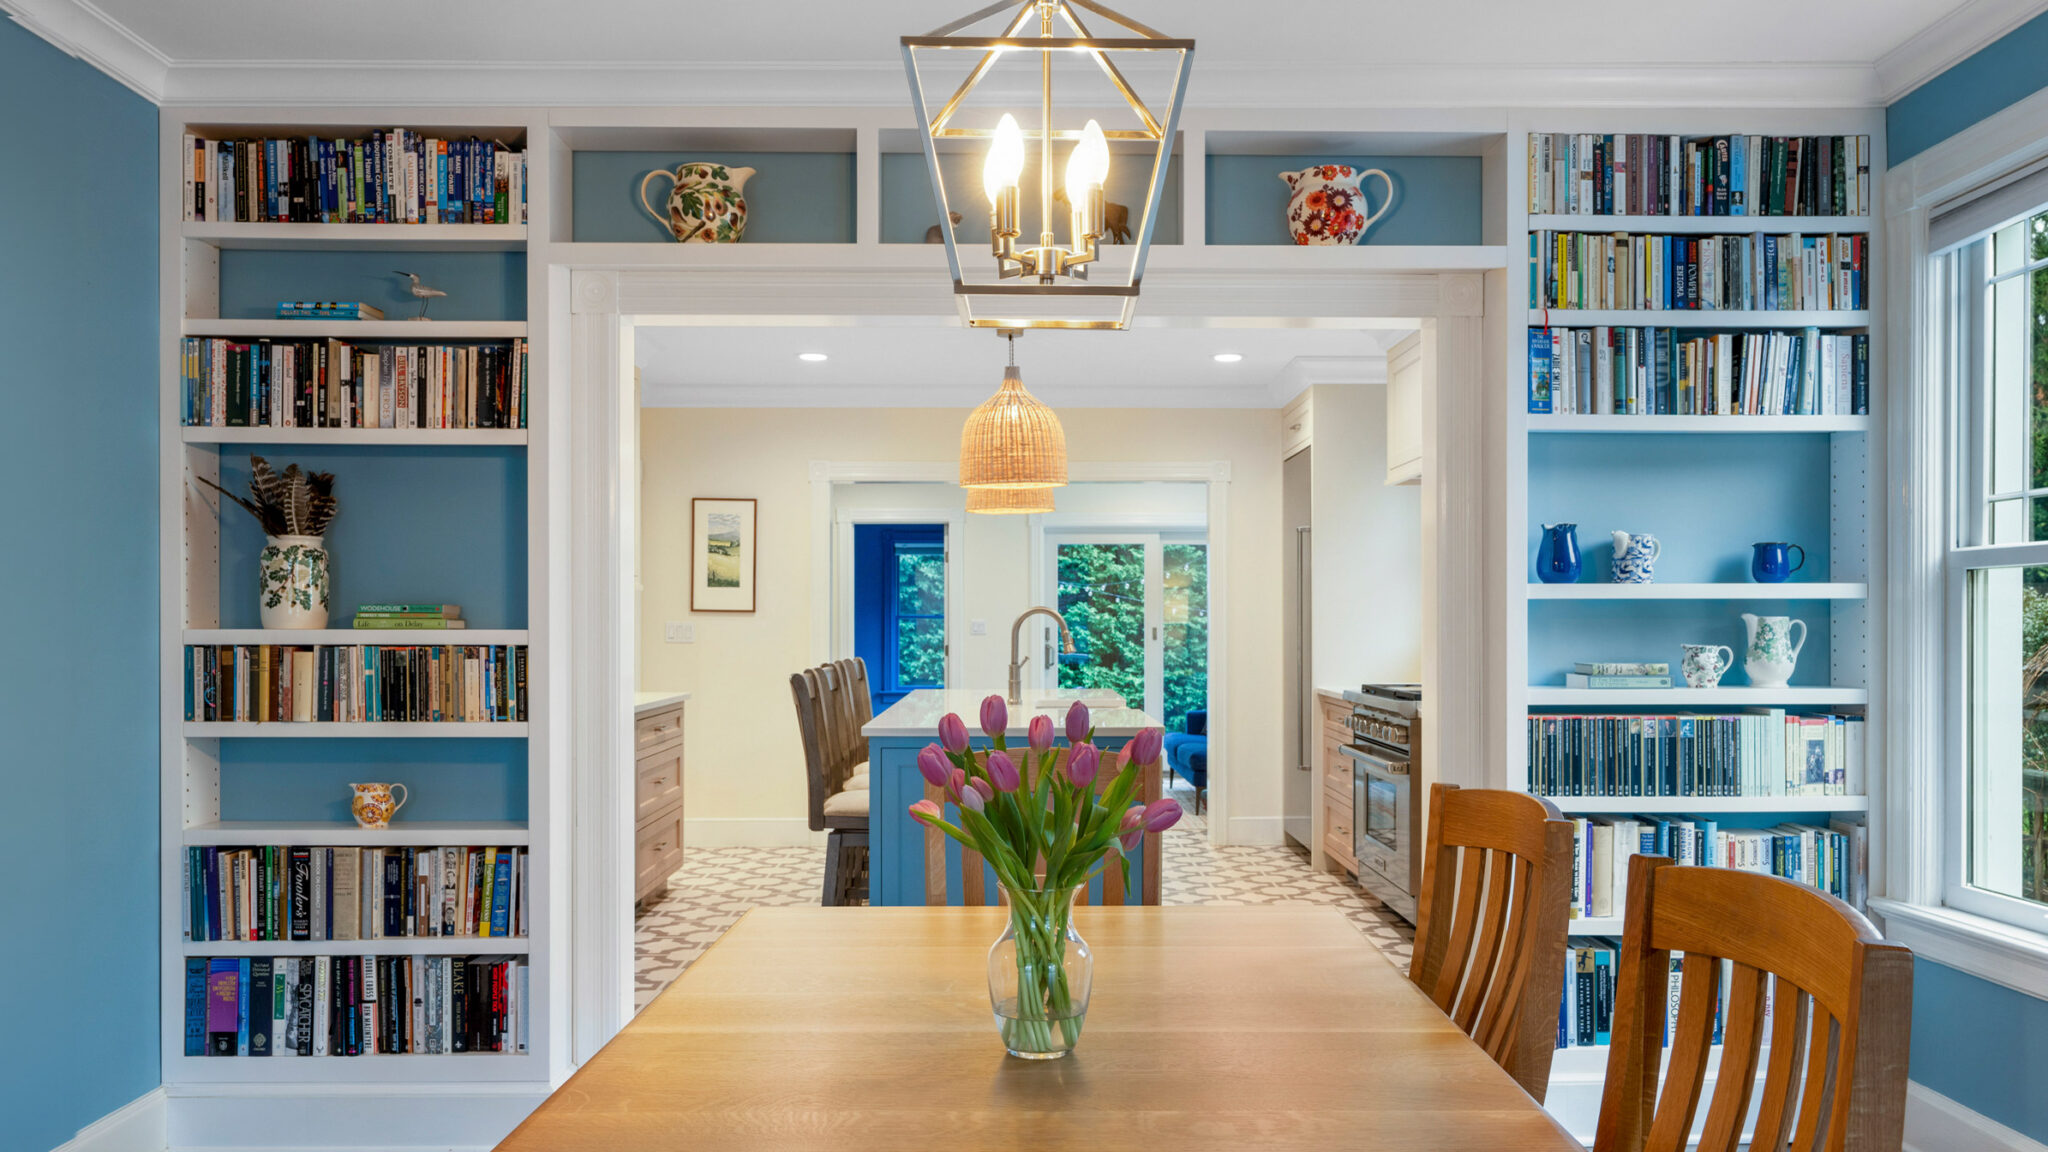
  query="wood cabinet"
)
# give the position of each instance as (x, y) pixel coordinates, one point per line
(1333, 776)
(1297, 425)
(657, 800)
(1405, 387)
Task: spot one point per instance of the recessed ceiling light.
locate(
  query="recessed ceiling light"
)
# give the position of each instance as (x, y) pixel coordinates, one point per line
(811, 357)
(1228, 357)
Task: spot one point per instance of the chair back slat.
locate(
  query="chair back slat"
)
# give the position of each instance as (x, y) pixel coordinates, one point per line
(803, 688)
(1838, 1000)
(1492, 919)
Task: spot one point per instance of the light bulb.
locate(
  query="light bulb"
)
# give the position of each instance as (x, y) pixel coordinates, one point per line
(1087, 165)
(1005, 159)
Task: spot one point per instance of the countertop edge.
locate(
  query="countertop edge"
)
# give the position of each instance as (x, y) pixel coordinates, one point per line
(645, 702)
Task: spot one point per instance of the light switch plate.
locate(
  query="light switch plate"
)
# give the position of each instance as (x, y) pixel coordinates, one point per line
(680, 633)
(977, 628)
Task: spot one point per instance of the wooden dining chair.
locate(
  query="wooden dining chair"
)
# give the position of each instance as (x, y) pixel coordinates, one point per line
(1492, 920)
(976, 886)
(1838, 1000)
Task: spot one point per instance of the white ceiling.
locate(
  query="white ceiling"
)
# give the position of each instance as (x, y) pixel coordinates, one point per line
(1316, 53)
(953, 367)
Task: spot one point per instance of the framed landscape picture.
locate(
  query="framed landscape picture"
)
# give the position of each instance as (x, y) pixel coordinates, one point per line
(723, 553)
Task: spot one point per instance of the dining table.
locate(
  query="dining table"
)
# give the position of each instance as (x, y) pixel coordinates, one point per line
(1209, 1027)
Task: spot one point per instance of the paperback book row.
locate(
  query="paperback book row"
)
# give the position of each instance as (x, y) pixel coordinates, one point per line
(409, 617)
(1606, 371)
(1758, 272)
(1762, 752)
(388, 177)
(334, 384)
(1587, 174)
(1586, 1017)
(355, 1005)
(355, 683)
(286, 892)
(1834, 859)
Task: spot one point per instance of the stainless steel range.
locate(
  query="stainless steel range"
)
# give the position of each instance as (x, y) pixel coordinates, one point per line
(1386, 760)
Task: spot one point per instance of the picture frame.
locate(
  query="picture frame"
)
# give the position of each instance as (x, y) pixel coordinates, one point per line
(724, 554)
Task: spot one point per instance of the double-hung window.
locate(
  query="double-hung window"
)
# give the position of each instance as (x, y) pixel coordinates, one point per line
(1991, 288)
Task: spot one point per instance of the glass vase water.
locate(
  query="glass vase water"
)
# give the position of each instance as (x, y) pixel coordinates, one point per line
(1039, 972)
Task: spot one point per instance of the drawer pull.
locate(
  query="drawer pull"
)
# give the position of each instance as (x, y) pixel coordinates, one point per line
(662, 846)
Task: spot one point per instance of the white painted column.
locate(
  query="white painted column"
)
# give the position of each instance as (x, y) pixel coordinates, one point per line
(1463, 703)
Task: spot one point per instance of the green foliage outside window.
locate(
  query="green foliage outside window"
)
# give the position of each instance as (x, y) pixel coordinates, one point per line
(1102, 595)
(920, 618)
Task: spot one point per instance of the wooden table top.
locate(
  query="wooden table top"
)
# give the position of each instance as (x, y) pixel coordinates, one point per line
(1270, 1027)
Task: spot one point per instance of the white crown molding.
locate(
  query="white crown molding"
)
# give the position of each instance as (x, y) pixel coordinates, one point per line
(1305, 372)
(1935, 1123)
(83, 31)
(1949, 41)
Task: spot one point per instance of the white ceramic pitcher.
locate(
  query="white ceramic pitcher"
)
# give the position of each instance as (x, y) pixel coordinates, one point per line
(1771, 653)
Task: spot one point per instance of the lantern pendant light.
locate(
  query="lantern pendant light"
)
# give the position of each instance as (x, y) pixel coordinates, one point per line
(1050, 284)
(1012, 443)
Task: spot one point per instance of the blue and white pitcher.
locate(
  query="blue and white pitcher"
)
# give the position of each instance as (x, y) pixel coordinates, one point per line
(1634, 554)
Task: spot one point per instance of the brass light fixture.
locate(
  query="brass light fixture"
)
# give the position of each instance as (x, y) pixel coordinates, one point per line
(1049, 284)
(1012, 448)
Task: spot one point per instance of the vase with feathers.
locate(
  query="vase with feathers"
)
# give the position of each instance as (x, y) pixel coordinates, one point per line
(295, 507)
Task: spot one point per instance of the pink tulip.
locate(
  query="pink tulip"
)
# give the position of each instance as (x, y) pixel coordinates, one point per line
(981, 788)
(955, 785)
(1002, 771)
(925, 810)
(953, 732)
(1132, 829)
(1143, 749)
(932, 762)
(1082, 765)
(1161, 814)
(1040, 733)
(971, 799)
(1077, 723)
(995, 716)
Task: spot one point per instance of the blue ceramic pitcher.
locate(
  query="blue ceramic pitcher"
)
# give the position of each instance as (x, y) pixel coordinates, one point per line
(1773, 564)
(1557, 562)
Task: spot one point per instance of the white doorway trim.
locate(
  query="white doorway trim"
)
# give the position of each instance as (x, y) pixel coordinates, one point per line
(839, 606)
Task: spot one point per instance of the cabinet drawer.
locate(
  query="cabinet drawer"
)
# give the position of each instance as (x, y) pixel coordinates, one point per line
(658, 781)
(1339, 849)
(657, 852)
(657, 730)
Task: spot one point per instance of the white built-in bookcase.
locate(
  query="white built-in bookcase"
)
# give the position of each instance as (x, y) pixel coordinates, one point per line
(1853, 498)
(436, 1097)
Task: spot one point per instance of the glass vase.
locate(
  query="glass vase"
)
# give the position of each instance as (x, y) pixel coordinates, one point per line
(1039, 972)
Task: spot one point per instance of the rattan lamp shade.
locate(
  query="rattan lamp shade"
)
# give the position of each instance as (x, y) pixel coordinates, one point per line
(1009, 501)
(1013, 441)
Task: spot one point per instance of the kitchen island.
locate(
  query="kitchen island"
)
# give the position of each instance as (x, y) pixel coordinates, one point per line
(896, 841)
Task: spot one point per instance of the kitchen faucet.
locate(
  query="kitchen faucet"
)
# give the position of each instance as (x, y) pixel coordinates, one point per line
(1017, 662)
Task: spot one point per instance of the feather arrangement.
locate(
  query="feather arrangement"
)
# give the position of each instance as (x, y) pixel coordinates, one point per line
(288, 503)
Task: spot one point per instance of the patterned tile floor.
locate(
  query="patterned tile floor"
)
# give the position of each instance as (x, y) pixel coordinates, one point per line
(716, 885)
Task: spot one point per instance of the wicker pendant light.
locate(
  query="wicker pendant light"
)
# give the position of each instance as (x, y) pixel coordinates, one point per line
(1012, 441)
(1009, 501)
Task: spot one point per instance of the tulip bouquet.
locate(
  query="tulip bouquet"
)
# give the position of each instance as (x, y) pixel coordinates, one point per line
(1047, 819)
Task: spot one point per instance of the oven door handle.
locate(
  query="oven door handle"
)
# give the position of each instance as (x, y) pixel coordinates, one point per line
(1371, 760)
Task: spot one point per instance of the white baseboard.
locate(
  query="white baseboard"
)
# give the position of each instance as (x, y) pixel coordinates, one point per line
(1935, 1123)
(331, 1118)
(749, 832)
(137, 1126)
(1257, 830)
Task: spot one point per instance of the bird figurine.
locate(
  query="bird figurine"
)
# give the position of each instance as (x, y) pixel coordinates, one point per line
(422, 292)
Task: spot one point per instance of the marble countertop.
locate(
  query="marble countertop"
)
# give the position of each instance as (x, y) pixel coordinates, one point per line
(917, 715)
(645, 702)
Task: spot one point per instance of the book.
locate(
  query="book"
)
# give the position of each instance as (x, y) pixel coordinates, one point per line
(1621, 669)
(417, 892)
(1807, 372)
(356, 683)
(1640, 174)
(1583, 680)
(390, 176)
(1725, 272)
(327, 310)
(223, 1007)
(332, 383)
(1757, 752)
(415, 623)
(195, 1006)
(449, 611)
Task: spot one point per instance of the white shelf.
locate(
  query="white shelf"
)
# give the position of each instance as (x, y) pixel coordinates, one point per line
(1694, 697)
(1706, 805)
(476, 237)
(436, 833)
(1163, 257)
(372, 1068)
(1702, 318)
(1786, 591)
(410, 331)
(398, 946)
(475, 437)
(288, 730)
(1703, 225)
(1702, 424)
(429, 637)
(1595, 926)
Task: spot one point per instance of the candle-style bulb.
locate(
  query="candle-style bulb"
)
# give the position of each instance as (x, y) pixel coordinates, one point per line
(1087, 165)
(1005, 161)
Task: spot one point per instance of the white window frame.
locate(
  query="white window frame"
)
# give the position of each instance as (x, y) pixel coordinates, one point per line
(1923, 739)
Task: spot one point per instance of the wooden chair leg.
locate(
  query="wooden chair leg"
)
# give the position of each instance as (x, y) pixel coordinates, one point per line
(831, 869)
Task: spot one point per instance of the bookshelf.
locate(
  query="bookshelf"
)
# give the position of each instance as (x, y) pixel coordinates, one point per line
(207, 592)
(1707, 487)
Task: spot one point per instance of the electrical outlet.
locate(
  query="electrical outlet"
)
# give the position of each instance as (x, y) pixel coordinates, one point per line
(679, 633)
(977, 628)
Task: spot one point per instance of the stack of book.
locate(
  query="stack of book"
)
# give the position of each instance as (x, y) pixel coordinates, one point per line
(430, 617)
(354, 1005)
(1834, 859)
(1586, 174)
(394, 177)
(285, 892)
(1761, 752)
(1757, 272)
(1608, 371)
(355, 683)
(1611, 675)
(327, 310)
(335, 384)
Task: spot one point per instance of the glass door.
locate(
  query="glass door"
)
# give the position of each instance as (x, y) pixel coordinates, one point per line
(1138, 606)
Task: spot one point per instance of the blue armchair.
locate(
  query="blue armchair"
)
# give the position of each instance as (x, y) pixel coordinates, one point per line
(1187, 754)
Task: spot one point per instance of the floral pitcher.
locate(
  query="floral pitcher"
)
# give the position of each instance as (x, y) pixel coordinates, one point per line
(295, 582)
(1772, 652)
(1635, 554)
(1327, 206)
(373, 804)
(704, 203)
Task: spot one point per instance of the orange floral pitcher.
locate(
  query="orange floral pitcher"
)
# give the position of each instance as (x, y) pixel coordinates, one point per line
(1326, 204)
(374, 805)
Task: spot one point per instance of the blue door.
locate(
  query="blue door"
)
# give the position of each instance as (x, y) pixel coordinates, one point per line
(899, 607)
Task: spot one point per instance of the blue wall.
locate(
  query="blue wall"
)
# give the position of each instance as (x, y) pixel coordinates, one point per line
(78, 460)
(1982, 1045)
(480, 285)
(793, 197)
(2001, 74)
(445, 778)
(1436, 198)
(909, 209)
